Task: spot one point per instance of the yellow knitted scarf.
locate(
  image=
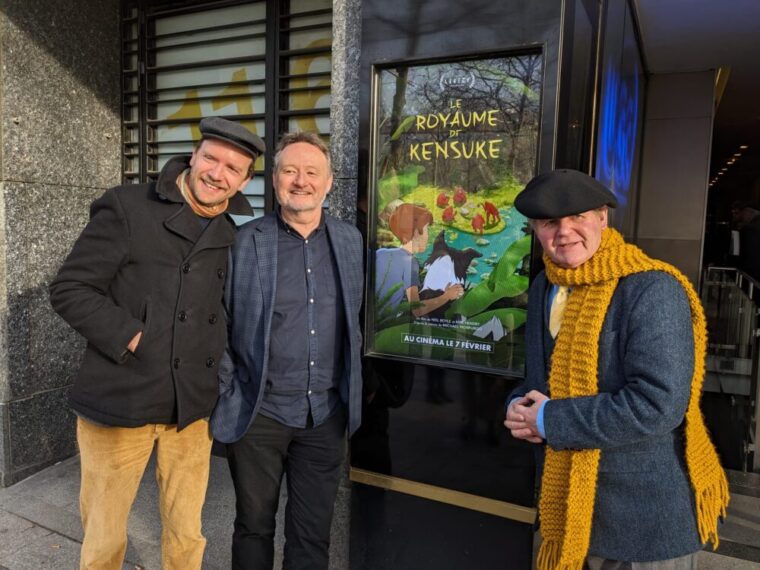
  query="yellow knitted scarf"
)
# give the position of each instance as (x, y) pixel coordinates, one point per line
(568, 487)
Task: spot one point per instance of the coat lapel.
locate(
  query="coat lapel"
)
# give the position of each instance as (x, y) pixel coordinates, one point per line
(337, 241)
(184, 223)
(265, 242)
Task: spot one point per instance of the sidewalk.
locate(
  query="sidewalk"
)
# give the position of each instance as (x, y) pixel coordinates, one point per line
(40, 527)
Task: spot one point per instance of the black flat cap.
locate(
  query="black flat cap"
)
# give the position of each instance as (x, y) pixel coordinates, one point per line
(233, 133)
(562, 193)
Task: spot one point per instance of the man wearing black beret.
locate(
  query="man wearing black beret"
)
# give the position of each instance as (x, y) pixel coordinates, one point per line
(615, 344)
(143, 285)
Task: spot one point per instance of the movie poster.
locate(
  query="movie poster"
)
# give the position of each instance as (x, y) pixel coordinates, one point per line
(453, 145)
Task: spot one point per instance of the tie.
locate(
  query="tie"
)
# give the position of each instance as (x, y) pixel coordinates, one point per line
(557, 310)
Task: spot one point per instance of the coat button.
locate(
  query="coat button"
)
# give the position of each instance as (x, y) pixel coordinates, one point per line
(212, 319)
(220, 273)
(182, 316)
(210, 362)
(186, 268)
(176, 363)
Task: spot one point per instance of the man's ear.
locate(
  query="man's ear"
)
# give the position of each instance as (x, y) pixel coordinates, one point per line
(604, 215)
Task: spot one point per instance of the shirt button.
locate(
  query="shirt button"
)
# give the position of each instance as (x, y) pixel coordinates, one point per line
(309, 392)
(185, 268)
(313, 331)
(306, 241)
(210, 362)
(308, 270)
(212, 319)
(182, 316)
(311, 363)
(176, 363)
(311, 300)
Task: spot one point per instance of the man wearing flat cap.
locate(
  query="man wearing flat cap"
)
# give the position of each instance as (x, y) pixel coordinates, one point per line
(143, 285)
(615, 344)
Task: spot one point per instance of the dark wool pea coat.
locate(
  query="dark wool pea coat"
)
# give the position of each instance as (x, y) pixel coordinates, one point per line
(145, 263)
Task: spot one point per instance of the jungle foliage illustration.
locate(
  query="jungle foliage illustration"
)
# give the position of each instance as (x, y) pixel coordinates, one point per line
(454, 145)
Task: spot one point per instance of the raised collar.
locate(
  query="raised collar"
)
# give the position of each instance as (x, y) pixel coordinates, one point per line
(167, 189)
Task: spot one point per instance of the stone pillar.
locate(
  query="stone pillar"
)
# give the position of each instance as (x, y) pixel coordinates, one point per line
(344, 147)
(675, 168)
(344, 107)
(59, 149)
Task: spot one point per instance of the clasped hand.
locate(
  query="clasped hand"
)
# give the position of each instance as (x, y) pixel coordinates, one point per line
(522, 414)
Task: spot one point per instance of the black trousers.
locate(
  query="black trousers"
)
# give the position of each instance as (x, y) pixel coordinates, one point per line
(312, 458)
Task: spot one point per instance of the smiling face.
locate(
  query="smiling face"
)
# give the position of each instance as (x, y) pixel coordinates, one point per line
(572, 240)
(301, 179)
(217, 171)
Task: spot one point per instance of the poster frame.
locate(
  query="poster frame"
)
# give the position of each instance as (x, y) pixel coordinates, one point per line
(376, 69)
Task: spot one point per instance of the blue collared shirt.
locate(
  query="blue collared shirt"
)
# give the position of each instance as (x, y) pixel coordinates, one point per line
(308, 331)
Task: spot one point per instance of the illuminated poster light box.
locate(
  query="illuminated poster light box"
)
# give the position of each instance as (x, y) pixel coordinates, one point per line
(453, 143)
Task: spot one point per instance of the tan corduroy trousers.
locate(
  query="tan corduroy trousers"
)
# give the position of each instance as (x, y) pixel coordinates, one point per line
(113, 462)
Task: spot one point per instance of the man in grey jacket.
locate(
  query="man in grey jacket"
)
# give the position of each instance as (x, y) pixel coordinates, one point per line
(617, 340)
(143, 284)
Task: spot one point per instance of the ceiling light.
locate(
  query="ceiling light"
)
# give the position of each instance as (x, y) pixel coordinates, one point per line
(737, 154)
(744, 147)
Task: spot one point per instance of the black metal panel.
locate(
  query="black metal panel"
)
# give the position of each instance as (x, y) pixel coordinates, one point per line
(392, 531)
(433, 425)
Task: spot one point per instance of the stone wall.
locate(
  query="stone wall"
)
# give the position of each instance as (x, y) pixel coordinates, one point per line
(344, 147)
(59, 149)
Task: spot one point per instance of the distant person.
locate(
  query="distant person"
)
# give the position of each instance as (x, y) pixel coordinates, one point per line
(143, 284)
(615, 362)
(291, 384)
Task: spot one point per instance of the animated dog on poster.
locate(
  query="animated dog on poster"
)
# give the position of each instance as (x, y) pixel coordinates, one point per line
(446, 266)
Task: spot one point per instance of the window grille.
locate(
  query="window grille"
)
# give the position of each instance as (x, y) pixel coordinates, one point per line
(264, 64)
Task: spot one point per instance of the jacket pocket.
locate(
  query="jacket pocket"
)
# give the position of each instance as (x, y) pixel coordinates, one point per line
(145, 317)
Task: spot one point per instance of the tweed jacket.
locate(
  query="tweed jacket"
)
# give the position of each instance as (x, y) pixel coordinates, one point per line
(145, 263)
(644, 507)
(249, 301)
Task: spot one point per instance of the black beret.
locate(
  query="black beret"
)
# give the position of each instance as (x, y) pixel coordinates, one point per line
(561, 193)
(233, 133)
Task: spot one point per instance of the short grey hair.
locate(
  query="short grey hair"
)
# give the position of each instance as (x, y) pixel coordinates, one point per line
(302, 137)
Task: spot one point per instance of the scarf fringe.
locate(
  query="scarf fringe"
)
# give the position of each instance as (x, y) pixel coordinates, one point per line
(549, 558)
(712, 502)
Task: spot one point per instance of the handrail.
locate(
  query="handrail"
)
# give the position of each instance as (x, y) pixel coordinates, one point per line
(731, 299)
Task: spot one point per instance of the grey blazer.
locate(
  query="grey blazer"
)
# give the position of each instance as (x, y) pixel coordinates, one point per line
(644, 504)
(249, 303)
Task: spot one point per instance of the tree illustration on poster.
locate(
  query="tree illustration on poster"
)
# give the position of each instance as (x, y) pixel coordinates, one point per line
(453, 145)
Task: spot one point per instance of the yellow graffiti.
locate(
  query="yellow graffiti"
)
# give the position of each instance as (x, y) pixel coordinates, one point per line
(191, 106)
(302, 100)
(244, 103)
(190, 109)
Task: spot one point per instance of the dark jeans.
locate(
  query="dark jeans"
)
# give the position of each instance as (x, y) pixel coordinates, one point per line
(312, 458)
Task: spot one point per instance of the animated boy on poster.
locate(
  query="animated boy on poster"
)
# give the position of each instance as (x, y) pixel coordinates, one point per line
(398, 271)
